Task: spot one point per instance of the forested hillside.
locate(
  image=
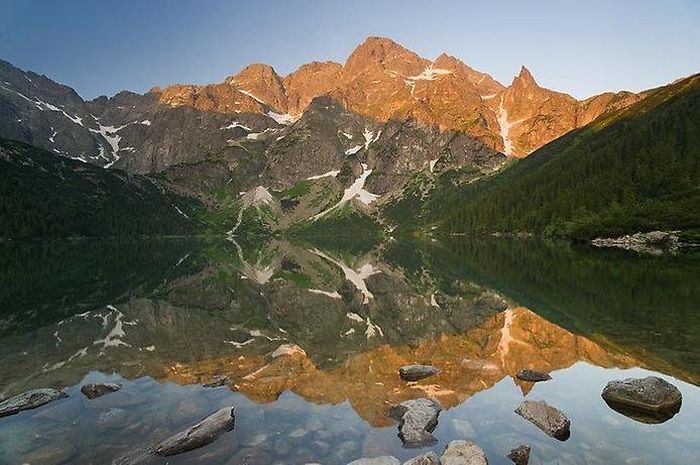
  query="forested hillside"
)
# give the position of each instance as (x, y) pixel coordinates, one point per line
(43, 195)
(634, 170)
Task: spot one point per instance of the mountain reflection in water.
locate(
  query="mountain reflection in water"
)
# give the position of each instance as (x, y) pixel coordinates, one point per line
(312, 340)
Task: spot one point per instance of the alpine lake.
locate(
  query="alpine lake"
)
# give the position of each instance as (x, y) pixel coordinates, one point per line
(304, 340)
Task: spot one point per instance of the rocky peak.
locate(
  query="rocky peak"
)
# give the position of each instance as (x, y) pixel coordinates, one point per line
(385, 54)
(263, 82)
(310, 80)
(524, 78)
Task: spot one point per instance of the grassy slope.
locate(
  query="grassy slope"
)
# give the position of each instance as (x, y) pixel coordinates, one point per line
(634, 170)
(44, 195)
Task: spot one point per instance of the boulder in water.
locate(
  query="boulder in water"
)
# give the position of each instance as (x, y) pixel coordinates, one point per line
(417, 419)
(201, 434)
(547, 418)
(417, 372)
(93, 391)
(648, 400)
(29, 400)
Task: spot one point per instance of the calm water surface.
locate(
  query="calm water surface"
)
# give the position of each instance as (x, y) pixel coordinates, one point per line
(312, 338)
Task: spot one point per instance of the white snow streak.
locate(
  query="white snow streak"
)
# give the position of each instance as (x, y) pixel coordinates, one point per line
(356, 190)
(329, 174)
(332, 295)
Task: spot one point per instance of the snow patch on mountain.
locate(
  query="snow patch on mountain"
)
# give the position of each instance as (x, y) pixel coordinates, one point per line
(332, 295)
(284, 119)
(356, 190)
(329, 174)
(505, 126)
(353, 150)
(234, 125)
(249, 94)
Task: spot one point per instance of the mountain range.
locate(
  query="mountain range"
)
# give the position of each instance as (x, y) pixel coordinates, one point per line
(380, 135)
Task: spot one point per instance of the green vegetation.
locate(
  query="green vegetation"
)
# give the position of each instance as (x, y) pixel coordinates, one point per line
(44, 195)
(634, 170)
(342, 229)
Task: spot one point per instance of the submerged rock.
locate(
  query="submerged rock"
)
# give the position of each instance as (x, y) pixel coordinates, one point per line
(533, 376)
(463, 453)
(93, 391)
(217, 381)
(547, 418)
(649, 400)
(29, 400)
(417, 372)
(430, 458)
(417, 419)
(384, 460)
(520, 455)
(201, 434)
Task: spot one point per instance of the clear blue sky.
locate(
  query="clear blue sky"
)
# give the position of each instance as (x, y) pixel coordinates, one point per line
(581, 47)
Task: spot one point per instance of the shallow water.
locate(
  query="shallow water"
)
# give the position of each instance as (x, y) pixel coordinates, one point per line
(312, 340)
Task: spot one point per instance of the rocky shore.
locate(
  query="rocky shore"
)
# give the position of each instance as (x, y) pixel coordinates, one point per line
(653, 242)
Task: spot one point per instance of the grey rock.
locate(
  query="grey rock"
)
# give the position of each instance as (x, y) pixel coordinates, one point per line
(649, 400)
(112, 419)
(520, 455)
(51, 454)
(384, 460)
(532, 376)
(218, 380)
(93, 391)
(201, 434)
(417, 419)
(416, 372)
(463, 453)
(29, 400)
(547, 418)
(429, 458)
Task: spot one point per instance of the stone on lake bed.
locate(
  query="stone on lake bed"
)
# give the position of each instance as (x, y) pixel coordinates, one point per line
(532, 376)
(463, 453)
(520, 455)
(417, 372)
(29, 400)
(93, 391)
(383, 460)
(217, 381)
(201, 434)
(417, 419)
(649, 400)
(429, 458)
(547, 418)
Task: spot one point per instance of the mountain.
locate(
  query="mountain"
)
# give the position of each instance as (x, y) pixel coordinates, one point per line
(633, 170)
(380, 80)
(48, 196)
(388, 134)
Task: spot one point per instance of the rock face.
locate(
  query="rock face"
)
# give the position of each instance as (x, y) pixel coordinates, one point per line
(417, 372)
(92, 391)
(429, 458)
(384, 460)
(520, 455)
(463, 453)
(650, 399)
(547, 418)
(532, 376)
(417, 419)
(381, 80)
(29, 400)
(201, 434)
